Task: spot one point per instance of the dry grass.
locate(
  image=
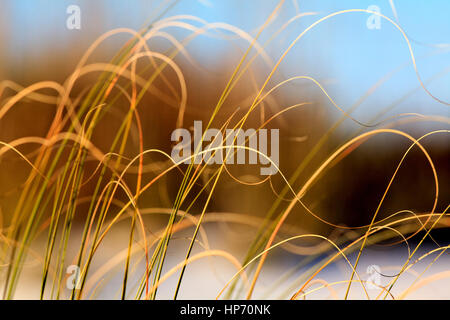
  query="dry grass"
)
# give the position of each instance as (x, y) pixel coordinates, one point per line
(51, 198)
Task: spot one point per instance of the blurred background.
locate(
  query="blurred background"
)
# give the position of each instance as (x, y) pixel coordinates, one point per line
(358, 64)
(343, 54)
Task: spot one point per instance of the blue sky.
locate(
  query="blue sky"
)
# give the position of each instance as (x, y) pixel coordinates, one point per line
(342, 51)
